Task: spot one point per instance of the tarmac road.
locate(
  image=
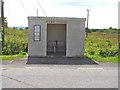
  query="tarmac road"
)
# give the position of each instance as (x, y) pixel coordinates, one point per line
(17, 74)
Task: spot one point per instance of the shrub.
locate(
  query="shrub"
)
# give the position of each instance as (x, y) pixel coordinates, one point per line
(22, 53)
(106, 53)
(16, 41)
(91, 52)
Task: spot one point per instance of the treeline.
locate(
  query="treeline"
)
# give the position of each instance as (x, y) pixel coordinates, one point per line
(110, 30)
(20, 28)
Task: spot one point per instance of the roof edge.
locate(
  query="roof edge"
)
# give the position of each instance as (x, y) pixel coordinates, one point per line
(63, 18)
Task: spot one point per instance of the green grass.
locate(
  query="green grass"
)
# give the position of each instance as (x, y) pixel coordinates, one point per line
(105, 42)
(11, 57)
(16, 41)
(98, 58)
(15, 44)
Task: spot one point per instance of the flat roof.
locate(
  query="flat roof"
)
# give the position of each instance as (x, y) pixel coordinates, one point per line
(56, 18)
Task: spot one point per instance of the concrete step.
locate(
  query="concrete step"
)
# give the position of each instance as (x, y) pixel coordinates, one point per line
(61, 60)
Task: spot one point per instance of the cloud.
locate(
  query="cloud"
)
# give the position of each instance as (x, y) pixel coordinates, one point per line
(67, 3)
(103, 13)
(84, 3)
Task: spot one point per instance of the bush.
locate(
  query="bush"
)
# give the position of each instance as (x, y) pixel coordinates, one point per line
(91, 52)
(22, 53)
(16, 41)
(106, 53)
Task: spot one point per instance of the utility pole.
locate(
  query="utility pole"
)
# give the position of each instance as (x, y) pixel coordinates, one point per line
(37, 12)
(87, 22)
(2, 22)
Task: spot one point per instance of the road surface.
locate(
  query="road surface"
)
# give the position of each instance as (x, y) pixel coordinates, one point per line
(22, 75)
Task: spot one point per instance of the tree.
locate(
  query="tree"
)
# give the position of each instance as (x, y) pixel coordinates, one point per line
(110, 28)
(26, 27)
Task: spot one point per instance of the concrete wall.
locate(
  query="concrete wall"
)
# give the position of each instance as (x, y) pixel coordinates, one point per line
(75, 33)
(75, 38)
(56, 32)
(36, 48)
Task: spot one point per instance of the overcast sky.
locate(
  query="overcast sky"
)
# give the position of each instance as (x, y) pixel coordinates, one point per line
(103, 13)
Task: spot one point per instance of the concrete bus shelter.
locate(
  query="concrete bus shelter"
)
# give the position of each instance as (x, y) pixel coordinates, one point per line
(56, 36)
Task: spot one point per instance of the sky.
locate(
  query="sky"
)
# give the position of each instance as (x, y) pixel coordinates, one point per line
(103, 13)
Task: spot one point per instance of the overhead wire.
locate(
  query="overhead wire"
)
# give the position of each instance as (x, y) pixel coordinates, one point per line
(41, 8)
(38, 4)
(23, 6)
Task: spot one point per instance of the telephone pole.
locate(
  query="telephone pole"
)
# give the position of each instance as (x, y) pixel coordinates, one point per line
(87, 17)
(2, 22)
(87, 22)
(37, 12)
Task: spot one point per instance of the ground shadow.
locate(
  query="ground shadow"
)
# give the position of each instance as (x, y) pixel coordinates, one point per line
(61, 60)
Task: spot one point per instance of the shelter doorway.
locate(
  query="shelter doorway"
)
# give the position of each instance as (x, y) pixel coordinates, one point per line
(56, 39)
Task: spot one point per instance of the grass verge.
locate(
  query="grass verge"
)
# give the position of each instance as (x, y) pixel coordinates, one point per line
(102, 47)
(11, 57)
(103, 59)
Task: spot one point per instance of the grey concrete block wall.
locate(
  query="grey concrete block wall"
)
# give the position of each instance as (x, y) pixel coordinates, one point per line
(75, 33)
(75, 38)
(36, 48)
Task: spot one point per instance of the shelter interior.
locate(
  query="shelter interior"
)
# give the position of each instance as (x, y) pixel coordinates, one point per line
(56, 39)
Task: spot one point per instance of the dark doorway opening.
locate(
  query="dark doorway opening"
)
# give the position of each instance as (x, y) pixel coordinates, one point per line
(56, 39)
